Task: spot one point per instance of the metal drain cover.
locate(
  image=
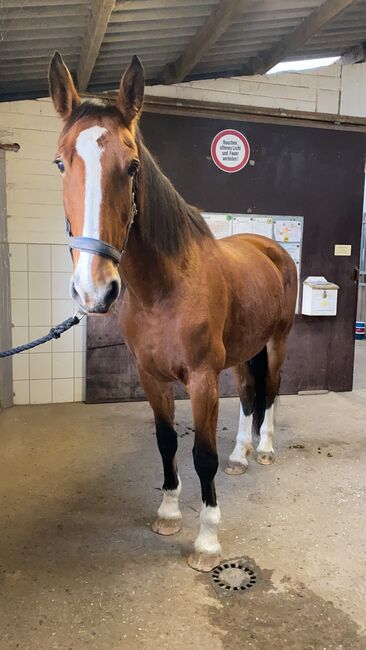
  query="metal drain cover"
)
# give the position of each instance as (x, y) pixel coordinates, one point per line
(233, 576)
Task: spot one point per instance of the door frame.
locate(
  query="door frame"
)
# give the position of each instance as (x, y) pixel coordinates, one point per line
(6, 366)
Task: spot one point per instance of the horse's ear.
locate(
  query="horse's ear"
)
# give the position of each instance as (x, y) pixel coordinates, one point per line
(62, 89)
(131, 91)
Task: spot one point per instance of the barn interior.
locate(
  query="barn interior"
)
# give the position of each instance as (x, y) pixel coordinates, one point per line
(80, 473)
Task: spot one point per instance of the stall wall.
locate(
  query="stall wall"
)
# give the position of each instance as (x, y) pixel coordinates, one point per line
(40, 262)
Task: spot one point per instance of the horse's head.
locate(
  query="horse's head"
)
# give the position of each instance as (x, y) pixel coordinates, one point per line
(98, 157)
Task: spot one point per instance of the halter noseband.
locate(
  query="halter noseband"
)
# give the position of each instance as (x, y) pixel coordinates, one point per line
(98, 246)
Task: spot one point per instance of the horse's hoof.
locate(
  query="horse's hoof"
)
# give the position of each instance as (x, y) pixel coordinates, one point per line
(203, 562)
(265, 457)
(235, 467)
(166, 526)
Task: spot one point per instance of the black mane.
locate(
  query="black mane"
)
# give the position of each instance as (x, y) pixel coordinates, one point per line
(165, 220)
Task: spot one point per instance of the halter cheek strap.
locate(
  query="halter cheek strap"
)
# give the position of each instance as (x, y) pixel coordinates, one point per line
(98, 246)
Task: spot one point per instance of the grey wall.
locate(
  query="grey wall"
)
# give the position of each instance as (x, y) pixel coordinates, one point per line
(6, 375)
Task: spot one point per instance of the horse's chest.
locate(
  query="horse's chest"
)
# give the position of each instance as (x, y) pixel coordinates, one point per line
(149, 338)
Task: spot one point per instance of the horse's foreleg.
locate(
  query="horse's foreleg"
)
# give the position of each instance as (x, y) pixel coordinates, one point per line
(238, 461)
(203, 391)
(161, 398)
(276, 352)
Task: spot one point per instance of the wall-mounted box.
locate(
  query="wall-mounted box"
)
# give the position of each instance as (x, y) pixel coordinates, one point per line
(319, 297)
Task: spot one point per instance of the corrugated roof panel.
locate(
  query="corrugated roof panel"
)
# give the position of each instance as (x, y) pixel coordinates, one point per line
(344, 32)
(256, 30)
(175, 23)
(158, 31)
(30, 31)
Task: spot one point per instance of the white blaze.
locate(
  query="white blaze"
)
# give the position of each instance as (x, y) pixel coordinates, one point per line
(90, 151)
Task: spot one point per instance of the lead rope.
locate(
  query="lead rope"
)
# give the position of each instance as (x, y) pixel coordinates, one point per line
(54, 333)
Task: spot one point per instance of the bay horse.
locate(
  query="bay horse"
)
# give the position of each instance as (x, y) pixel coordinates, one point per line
(193, 305)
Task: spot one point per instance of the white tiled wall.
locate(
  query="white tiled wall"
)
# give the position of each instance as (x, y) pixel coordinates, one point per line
(55, 371)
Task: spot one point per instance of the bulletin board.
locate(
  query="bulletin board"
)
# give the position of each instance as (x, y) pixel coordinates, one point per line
(287, 231)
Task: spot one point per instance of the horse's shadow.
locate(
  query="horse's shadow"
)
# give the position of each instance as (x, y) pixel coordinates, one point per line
(108, 515)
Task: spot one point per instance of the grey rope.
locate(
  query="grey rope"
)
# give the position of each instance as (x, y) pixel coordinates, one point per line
(54, 333)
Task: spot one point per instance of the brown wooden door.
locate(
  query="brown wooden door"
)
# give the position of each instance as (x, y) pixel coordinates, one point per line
(294, 170)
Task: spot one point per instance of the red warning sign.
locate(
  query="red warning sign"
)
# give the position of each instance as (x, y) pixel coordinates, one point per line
(230, 150)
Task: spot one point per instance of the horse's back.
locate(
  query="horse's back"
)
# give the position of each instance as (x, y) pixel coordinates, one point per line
(268, 247)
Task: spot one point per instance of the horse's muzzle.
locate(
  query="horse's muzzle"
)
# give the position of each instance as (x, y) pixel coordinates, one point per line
(102, 300)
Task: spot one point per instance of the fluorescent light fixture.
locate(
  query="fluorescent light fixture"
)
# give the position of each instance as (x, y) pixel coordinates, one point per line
(307, 64)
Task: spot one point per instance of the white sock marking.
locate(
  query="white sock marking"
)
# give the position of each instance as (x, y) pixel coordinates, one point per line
(207, 541)
(266, 433)
(90, 151)
(243, 443)
(169, 507)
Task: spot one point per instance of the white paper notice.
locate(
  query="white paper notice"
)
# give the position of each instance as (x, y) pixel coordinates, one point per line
(242, 225)
(287, 231)
(219, 224)
(294, 251)
(263, 226)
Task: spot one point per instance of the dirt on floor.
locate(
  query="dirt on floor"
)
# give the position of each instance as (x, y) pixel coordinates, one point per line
(80, 567)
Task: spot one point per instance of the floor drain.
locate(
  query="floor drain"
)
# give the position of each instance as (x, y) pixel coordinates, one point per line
(233, 576)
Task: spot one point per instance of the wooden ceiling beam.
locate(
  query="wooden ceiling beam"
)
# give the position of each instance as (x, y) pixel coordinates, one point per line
(97, 27)
(216, 24)
(356, 54)
(310, 26)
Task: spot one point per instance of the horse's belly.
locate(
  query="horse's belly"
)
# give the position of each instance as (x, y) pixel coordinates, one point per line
(249, 327)
(242, 348)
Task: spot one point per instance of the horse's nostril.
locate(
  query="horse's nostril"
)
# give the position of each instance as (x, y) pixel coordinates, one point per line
(112, 293)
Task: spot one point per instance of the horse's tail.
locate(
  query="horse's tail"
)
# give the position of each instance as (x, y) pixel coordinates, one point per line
(258, 366)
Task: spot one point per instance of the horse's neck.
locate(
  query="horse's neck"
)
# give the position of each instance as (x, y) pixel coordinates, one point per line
(164, 238)
(147, 275)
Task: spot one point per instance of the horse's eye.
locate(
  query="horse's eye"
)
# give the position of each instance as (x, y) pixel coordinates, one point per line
(133, 168)
(60, 165)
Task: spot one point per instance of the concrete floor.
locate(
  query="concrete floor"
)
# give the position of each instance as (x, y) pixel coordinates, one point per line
(359, 375)
(79, 566)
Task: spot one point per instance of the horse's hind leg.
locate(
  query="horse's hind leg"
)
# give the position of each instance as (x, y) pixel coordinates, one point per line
(161, 398)
(238, 461)
(276, 352)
